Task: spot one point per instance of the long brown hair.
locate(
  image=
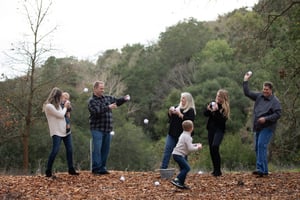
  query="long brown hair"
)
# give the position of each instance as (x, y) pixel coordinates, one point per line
(225, 102)
(54, 98)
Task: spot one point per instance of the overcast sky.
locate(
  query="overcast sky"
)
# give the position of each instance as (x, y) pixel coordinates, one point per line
(85, 28)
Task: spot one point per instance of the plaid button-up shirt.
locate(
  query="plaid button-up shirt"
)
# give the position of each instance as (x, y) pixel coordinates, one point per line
(100, 114)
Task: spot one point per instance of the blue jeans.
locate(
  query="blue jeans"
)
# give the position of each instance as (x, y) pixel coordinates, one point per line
(262, 140)
(101, 146)
(56, 140)
(170, 144)
(184, 167)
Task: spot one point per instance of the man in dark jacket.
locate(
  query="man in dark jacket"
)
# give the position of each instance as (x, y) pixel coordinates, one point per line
(267, 110)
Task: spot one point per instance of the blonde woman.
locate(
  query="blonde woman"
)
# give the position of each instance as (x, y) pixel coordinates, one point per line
(185, 110)
(57, 125)
(217, 112)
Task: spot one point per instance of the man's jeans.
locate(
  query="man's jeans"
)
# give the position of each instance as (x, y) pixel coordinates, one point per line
(101, 146)
(262, 140)
(170, 144)
(56, 140)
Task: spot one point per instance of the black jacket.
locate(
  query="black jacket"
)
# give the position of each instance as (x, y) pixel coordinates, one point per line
(175, 127)
(216, 119)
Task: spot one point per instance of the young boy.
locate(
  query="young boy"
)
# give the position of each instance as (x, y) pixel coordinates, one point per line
(66, 97)
(180, 152)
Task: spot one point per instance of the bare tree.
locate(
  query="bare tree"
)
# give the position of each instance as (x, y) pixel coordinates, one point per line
(30, 53)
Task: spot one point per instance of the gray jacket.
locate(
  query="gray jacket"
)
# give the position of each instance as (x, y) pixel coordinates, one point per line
(269, 108)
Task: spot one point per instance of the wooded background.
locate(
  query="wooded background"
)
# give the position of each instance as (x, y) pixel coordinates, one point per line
(191, 56)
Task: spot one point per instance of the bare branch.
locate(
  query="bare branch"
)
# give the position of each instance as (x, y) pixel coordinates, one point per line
(272, 17)
(17, 108)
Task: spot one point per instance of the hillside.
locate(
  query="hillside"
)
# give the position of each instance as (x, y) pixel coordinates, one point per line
(140, 185)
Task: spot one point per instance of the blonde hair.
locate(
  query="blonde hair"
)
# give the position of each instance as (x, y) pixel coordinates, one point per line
(189, 102)
(225, 102)
(66, 95)
(53, 98)
(187, 125)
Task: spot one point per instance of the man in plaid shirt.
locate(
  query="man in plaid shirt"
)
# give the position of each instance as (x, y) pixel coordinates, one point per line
(101, 124)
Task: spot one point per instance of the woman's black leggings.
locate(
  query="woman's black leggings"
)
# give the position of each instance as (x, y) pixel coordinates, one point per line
(215, 138)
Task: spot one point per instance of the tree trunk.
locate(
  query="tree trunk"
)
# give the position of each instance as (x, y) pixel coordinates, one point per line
(25, 150)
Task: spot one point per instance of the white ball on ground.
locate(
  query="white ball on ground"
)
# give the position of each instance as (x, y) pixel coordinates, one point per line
(122, 178)
(146, 121)
(112, 133)
(85, 90)
(156, 183)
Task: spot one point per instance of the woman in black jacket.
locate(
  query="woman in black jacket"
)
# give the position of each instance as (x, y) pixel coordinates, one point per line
(217, 112)
(177, 114)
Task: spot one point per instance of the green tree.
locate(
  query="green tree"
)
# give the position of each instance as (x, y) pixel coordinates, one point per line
(181, 41)
(282, 30)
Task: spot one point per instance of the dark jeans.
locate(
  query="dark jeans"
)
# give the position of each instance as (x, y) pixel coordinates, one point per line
(215, 138)
(101, 146)
(56, 140)
(170, 144)
(184, 167)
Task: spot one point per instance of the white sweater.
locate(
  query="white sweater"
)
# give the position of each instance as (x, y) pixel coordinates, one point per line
(56, 120)
(184, 145)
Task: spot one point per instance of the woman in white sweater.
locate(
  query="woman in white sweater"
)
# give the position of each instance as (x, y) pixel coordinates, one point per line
(57, 126)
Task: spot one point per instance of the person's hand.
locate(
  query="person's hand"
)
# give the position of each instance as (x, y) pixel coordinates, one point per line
(67, 104)
(172, 109)
(213, 106)
(247, 76)
(208, 107)
(113, 106)
(68, 114)
(261, 120)
(127, 97)
(199, 145)
(177, 112)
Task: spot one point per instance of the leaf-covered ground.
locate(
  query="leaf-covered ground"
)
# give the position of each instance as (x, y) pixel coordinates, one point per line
(141, 185)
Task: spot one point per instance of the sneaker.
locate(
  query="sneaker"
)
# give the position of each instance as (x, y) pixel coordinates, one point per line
(177, 183)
